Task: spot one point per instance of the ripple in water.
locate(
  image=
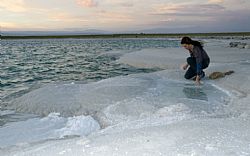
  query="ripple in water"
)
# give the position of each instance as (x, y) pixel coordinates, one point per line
(26, 64)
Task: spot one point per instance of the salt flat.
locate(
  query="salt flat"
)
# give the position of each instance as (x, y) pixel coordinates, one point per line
(145, 117)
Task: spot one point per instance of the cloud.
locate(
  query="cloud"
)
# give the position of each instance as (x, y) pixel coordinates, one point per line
(66, 17)
(87, 3)
(168, 8)
(8, 25)
(114, 16)
(194, 10)
(215, 1)
(126, 4)
(205, 17)
(13, 6)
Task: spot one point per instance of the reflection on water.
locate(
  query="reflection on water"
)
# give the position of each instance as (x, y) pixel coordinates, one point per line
(193, 92)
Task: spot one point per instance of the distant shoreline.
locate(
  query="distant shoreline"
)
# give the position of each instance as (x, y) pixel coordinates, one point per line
(224, 35)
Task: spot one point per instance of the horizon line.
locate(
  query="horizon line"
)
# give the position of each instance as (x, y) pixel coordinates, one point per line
(129, 35)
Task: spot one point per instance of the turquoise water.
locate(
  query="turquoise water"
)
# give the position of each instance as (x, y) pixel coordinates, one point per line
(28, 64)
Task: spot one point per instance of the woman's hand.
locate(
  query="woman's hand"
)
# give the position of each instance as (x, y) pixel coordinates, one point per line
(184, 66)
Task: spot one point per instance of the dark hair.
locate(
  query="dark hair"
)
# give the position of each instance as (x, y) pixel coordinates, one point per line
(188, 40)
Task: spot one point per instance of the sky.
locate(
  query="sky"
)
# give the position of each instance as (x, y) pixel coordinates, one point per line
(161, 16)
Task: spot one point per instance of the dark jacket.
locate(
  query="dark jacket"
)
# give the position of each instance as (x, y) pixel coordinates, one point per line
(201, 57)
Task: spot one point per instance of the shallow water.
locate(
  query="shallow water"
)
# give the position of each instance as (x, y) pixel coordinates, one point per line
(75, 87)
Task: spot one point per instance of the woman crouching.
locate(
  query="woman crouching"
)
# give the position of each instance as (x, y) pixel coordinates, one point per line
(197, 61)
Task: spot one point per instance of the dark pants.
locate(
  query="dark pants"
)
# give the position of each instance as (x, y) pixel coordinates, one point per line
(191, 72)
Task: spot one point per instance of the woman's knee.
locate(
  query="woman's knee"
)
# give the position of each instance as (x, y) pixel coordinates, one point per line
(188, 76)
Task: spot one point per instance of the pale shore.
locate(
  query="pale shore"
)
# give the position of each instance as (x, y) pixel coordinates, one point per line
(177, 133)
(223, 58)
